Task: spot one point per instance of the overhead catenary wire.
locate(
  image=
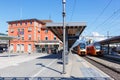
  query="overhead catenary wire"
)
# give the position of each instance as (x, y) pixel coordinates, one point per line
(73, 10)
(109, 18)
(102, 11)
(113, 24)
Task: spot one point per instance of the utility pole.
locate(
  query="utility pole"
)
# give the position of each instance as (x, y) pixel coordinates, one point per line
(64, 30)
(108, 34)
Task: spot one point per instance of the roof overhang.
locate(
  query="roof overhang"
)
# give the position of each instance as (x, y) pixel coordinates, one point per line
(115, 39)
(7, 37)
(74, 29)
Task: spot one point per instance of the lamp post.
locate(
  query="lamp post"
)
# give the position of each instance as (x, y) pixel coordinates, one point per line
(64, 29)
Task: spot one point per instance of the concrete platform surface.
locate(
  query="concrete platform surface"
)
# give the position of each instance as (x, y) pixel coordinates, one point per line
(48, 67)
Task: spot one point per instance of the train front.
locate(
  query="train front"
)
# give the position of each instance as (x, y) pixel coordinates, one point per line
(98, 49)
(82, 49)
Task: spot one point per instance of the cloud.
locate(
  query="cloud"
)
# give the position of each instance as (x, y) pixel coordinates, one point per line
(97, 36)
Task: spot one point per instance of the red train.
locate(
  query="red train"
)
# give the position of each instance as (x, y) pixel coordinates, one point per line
(94, 49)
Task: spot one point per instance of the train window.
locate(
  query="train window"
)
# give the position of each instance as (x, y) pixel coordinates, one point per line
(82, 45)
(97, 47)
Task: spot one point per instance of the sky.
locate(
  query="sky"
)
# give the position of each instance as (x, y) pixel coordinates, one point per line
(102, 17)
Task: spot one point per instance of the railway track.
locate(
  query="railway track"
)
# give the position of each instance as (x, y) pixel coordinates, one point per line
(105, 67)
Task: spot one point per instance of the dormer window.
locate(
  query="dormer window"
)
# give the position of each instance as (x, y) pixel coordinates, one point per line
(20, 23)
(16, 24)
(30, 22)
(25, 23)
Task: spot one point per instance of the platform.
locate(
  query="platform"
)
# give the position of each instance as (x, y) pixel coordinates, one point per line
(49, 67)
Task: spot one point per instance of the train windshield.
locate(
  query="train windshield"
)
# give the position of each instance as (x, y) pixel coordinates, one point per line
(82, 45)
(97, 46)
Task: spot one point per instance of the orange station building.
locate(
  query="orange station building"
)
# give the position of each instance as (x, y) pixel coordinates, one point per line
(33, 36)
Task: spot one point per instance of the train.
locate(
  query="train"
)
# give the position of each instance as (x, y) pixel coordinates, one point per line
(94, 49)
(80, 49)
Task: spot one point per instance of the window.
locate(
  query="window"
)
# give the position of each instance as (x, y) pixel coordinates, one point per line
(20, 23)
(30, 22)
(38, 29)
(16, 24)
(22, 32)
(82, 45)
(38, 37)
(46, 38)
(18, 37)
(54, 37)
(25, 23)
(22, 37)
(18, 33)
(29, 37)
(18, 30)
(29, 29)
(11, 30)
(46, 31)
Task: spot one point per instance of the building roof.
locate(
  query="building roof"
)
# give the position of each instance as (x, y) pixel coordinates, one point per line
(34, 19)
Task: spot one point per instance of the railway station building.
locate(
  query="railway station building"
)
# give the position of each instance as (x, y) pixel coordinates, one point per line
(33, 36)
(42, 35)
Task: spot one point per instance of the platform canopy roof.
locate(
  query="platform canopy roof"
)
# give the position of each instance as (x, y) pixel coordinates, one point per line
(115, 39)
(5, 37)
(74, 30)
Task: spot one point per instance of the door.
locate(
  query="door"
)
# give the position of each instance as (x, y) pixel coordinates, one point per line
(18, 47)
(29, 48)
(22, 48)
(11, 48)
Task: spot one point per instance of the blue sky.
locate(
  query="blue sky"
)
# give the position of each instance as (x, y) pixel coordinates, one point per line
(88, 11)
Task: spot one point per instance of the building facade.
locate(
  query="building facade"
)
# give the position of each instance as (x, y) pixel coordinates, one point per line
(33, 36)
(3, 43)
